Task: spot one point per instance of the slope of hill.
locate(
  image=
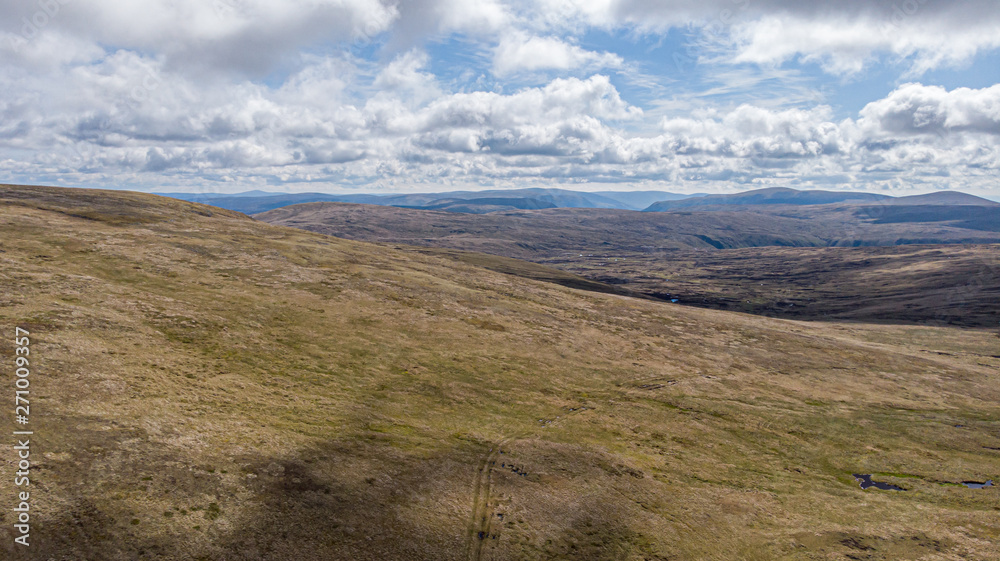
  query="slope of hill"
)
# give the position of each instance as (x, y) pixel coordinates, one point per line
(207, 386)
(942, 198)
(984, 218)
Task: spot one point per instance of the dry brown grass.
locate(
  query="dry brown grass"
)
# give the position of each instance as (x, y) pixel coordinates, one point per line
(211, 387)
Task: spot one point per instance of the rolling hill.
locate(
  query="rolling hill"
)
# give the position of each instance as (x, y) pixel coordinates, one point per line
(950, 198)
(481, 202)
(476, 202)
(768, 196)
(804, 262)
(207, 386)
(914, 284)
(785, 196)
(547, 233)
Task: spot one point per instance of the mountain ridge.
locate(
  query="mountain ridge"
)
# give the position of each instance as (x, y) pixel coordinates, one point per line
(480, 202)
(254, 202)
(793, 197)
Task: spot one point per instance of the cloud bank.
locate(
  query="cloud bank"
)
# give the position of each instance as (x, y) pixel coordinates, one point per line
(350, 94)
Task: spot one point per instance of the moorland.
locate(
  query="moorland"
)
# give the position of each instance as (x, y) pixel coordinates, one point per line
(214, 387)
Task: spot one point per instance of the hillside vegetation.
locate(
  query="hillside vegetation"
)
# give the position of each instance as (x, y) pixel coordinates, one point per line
(211, 387)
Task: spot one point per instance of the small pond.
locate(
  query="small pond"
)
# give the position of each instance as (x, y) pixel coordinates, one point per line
(866, 481)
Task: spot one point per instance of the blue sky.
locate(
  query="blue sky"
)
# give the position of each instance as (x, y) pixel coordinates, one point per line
(899, 97)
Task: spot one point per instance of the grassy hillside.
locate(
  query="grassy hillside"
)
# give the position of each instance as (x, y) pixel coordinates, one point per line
(211, 387)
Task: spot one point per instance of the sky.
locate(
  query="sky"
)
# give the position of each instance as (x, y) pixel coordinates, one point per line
(346, 96)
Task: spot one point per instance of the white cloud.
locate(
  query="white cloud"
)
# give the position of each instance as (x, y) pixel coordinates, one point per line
(253, 37)
(132, 119)
(420, 19)
(194, 94)
(520, 52)
(918, 109)
(845, 45)
(842, 36)
(403, 78)
(244, 36)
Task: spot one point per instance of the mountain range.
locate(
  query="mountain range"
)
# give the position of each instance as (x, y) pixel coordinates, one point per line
(481, 202)
(785, 196)
(476, 202)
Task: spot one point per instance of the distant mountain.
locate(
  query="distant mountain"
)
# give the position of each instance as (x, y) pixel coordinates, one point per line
(485, 205)
(482, 202)
(250, 204)
(769, 196)
(201, 197)
(560, 198)
(253, 202)
(557, 198)
(950, 198)
(638, 200)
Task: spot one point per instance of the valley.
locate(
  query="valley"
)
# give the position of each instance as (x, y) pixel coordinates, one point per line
(931, 264)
